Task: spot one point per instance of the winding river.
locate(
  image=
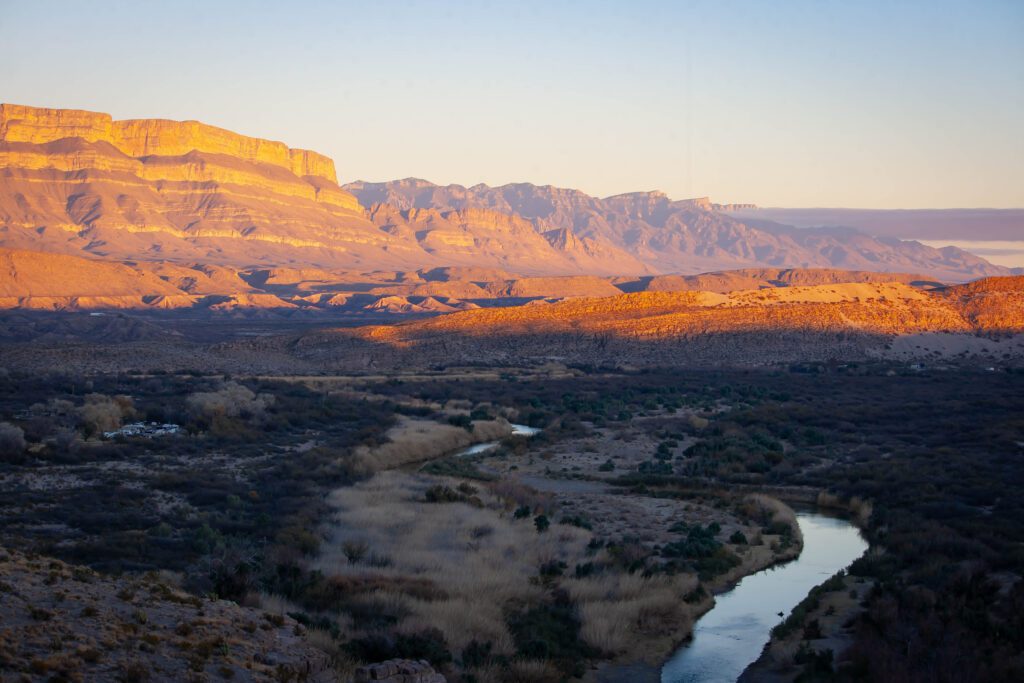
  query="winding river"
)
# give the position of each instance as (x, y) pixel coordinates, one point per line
(732, 635)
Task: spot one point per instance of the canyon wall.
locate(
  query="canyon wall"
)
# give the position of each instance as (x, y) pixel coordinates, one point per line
(160, 137)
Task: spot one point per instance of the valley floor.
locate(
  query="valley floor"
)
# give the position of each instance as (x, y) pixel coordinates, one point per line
(346, 511)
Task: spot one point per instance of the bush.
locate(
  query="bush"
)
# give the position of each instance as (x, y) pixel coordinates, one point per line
(700, 542)
(232, 400)
(477, 654)
(103, 413)
(428, 644)
(355, 551)
(577, 521)
(463, 421)
(12, 443)
(552, 569)
(446, 494)
(551, 631)
(542, 523)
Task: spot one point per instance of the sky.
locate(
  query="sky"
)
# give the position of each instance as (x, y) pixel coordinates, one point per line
(888, 104)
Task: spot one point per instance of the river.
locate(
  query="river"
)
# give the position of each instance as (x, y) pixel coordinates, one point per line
(732, 635)
(517, 430)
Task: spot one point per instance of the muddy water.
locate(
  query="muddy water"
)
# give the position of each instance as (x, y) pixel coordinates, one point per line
(731, 636)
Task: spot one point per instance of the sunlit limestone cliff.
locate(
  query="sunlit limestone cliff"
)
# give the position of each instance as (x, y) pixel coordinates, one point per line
(83, 183)
(73, 181)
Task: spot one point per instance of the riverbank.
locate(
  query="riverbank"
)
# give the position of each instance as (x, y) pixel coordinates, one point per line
(818, 631)
(644, 660)
(733, 634)
(415, 441)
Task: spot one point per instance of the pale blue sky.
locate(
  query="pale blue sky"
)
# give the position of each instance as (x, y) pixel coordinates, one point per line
(859, 104)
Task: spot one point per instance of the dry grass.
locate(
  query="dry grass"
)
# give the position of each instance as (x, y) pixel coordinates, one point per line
(478, 558)
(860, 509)
(775, 510)
(617, 610)
(414, 440)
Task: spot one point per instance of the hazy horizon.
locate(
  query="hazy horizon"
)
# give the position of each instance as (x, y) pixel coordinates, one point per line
(801, 105)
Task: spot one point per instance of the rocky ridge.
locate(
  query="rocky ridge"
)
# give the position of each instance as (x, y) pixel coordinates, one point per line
(850, 321)
(40, 281)
(681, 236)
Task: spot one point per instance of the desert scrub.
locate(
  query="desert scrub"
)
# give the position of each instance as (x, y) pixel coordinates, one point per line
(809, 604)
(551, 631)
(464, 467)
(464, 493)
(618, 610)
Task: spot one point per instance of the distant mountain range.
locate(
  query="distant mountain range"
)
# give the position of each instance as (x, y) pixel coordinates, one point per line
(685, 236)
(185, 195)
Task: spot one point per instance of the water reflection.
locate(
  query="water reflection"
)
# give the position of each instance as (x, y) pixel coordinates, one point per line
(731, 636)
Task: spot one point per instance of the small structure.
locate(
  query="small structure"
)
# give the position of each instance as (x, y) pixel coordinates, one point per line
(146, 430)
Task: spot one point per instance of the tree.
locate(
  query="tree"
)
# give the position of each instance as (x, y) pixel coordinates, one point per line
(102, 413)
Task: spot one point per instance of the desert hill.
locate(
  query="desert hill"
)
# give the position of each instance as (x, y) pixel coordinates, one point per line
(854, 320)
(755, 278)
(993, 304)
(33, 280)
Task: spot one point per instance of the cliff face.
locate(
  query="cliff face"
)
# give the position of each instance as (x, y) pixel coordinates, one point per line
(81, 183)
(160, 137)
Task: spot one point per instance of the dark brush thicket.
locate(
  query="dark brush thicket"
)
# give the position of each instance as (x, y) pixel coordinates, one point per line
(246, 513)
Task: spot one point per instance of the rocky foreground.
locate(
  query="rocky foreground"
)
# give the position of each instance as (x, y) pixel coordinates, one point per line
(65, 622)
